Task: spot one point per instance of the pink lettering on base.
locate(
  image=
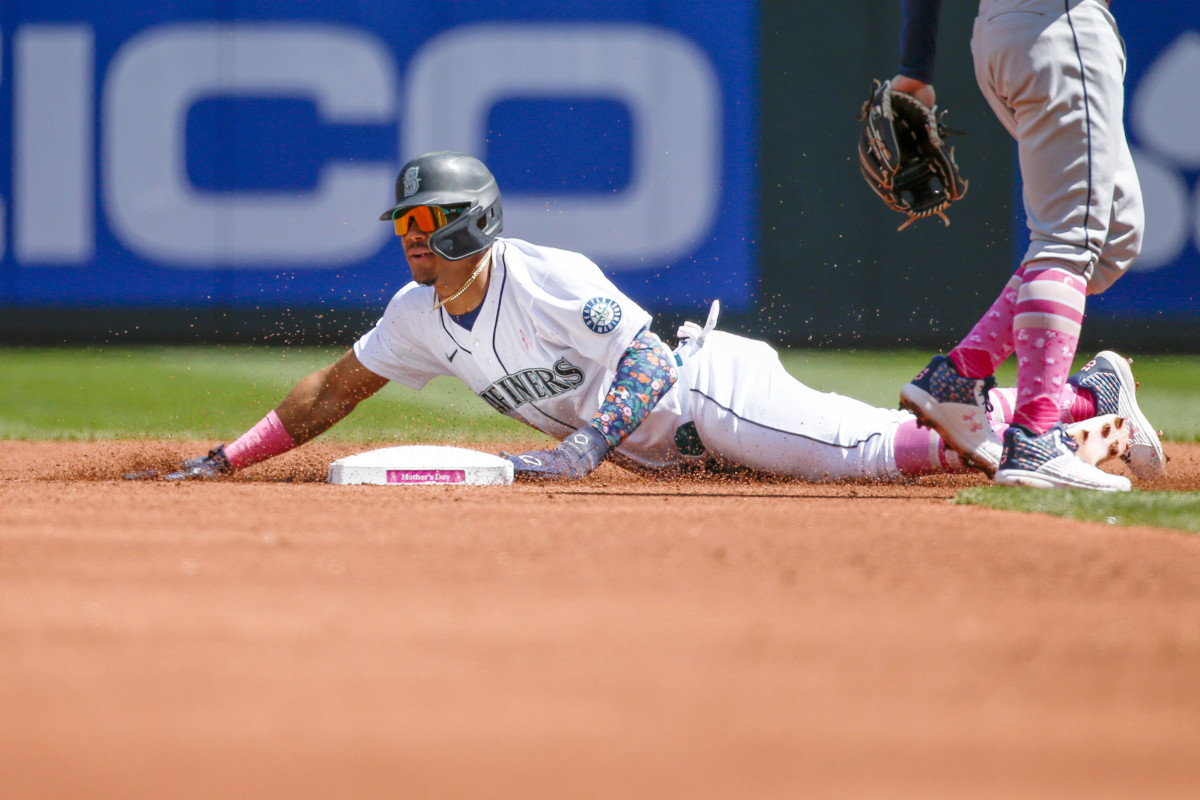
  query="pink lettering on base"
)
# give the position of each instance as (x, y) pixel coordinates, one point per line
(426, 476)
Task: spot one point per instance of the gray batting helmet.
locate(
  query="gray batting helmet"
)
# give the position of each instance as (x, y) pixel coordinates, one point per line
(452, 180)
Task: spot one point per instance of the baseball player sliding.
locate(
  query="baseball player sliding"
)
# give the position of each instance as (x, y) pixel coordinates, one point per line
(541, 335)
(1053, 72)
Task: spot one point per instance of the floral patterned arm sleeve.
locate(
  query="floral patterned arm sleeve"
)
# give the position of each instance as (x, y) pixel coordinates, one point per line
(645, 374)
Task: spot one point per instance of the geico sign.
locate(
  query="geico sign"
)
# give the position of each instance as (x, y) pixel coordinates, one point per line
(351, 78)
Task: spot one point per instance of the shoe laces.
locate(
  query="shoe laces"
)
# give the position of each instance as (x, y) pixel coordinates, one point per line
(984, 389)
(1065, 438)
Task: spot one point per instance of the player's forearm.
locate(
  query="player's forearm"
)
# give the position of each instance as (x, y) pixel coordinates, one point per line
(314, 406)
(272, 435)
(325, 397)
(645, 374)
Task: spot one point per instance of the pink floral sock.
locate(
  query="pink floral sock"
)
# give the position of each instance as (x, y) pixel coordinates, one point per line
(1046, 325)
(1081, 405)
(267, 438)
(1073, 405)
(991, 340)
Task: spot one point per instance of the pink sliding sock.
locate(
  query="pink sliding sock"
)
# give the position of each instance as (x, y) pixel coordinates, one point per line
(1073, 405)
(920, 451)
(267, 438)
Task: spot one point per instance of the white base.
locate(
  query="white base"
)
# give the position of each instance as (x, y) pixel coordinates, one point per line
(422, 465)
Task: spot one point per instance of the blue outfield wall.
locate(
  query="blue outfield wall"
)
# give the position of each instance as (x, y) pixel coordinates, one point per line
(1162, 117)
(201, 159)
(238, 153)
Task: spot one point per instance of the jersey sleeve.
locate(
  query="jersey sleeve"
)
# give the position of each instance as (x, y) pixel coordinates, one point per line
(579, 308)
(395, 348)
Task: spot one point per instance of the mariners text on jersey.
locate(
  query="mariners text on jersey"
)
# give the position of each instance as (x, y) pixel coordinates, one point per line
(528, 385)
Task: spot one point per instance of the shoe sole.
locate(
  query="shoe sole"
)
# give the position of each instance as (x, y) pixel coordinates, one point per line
(926, 408)
(1039, 480)
(1101, 438)
(1151, 464)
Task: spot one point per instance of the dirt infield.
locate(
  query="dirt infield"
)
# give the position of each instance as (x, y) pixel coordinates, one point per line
(272, 636)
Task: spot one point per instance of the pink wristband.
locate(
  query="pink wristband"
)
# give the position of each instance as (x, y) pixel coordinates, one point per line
(266, 439)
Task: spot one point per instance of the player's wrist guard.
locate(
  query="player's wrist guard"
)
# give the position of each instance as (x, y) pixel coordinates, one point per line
(588, 446)
(575, 458)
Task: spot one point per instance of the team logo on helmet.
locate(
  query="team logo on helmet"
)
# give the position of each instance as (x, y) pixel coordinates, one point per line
(601, 315)
(411, 181)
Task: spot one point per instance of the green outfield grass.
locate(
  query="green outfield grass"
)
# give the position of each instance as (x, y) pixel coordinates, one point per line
(218, 392)
(206, 392)
(212, 393)
(1179, 510)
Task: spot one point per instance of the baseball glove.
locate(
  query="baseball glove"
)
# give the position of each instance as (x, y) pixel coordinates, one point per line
(903, 154)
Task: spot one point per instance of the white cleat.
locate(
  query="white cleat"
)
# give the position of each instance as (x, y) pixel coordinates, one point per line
(1108, 377)
(1051, 461)
(957, 408)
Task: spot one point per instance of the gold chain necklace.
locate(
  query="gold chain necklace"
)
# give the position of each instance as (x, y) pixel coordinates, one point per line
(486, 260)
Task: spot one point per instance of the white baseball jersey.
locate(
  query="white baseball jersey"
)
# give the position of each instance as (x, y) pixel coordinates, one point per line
(545, 347)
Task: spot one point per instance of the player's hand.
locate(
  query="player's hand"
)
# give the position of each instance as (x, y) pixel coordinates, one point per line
(575, 458)
(918, 89)
(213, 465)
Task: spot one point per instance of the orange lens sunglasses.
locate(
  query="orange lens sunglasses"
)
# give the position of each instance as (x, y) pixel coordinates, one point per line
(427, 218)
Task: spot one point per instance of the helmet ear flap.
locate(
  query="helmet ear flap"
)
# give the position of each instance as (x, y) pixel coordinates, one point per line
(491, 221)
(452, 179)
(472, 232)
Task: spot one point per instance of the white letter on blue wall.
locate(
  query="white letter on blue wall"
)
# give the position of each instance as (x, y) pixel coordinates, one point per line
(53, 209)
(156, 78)
(666, 82)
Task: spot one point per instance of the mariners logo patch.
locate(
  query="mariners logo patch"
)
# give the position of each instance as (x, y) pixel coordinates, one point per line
(411, 181)
(601, 315)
